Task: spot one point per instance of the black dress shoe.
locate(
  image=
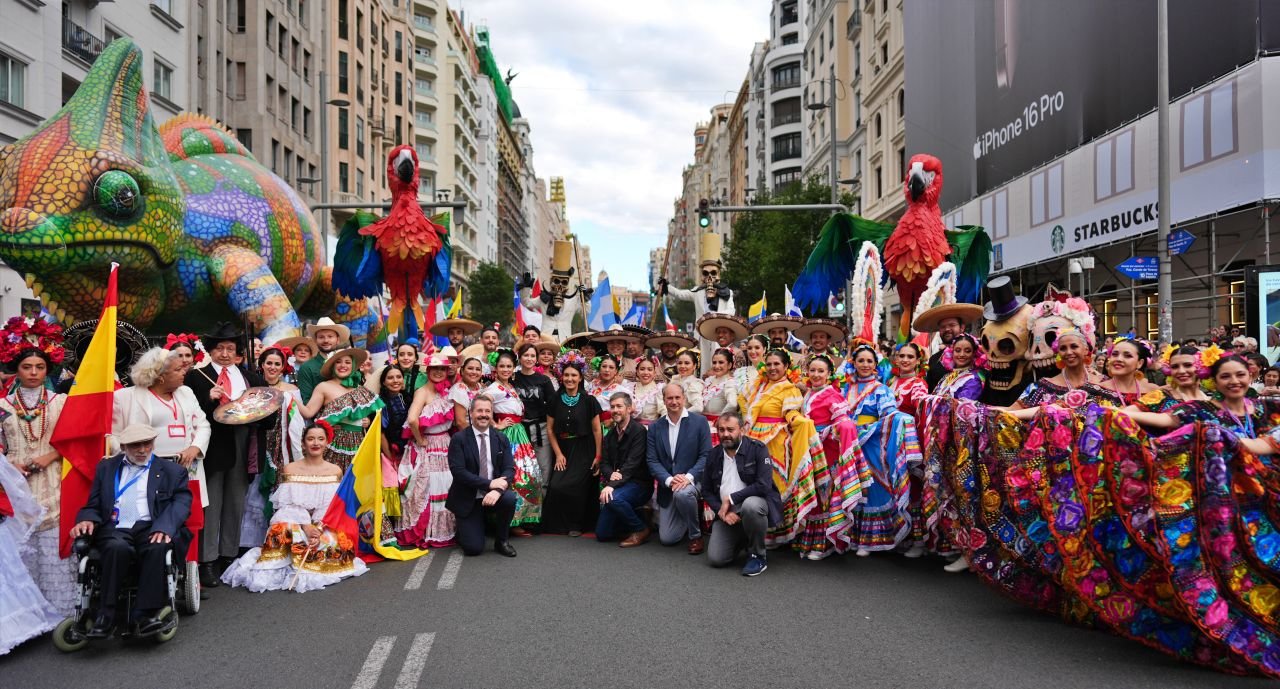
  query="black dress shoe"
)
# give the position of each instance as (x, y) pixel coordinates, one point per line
(504, 548)
(151, 625)
(208, 576)
(103, 628)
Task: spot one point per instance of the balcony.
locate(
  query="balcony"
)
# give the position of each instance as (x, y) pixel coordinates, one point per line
(424, 59)
(424, 23)
(77, 41)
(854, 25)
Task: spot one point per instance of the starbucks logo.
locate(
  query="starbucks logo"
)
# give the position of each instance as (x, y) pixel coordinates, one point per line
(1058, 239)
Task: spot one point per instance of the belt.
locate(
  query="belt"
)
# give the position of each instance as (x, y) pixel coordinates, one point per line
(864, 419)
(770, 419)
(536, 431)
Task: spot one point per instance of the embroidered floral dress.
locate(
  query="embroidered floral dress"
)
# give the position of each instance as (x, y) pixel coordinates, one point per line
(425, 479)
(719, 396)
(909, 390)
(346, 413)
(1045, 391)
(528, 481)
(841, 487)
(773, 416)
(890, 448)
(603, 392)
(961, 384)
(647, 400)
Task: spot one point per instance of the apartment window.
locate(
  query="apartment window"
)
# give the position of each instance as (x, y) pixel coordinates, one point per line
(294, 49)
(857, 163)
(955, 219)
(286, 163)
(879, 127)
(884, 6)
(271, 28)
(283, 95)
(13, 77)
(787, 76)
(400, 129)
(783, 178)
(344, 175)
(237, 15)
(302, 15)
(790, 38)
(857, 109)
(360, 183)
(359, 82)
(399, 47)
(360, 136)
(884, 53)
(282, 42)
(995, 213)
(241, 76)
(902, 102)
(246, 138)
(271, 90)
(902, 164)
(1209, 126)
(342, 19)
(1110, 325)
(1236, 290)
(423, 86)
(306, 122)
(1113, 165)
(162, 80)
(790, 14)
(399, 89)
(343, 126)
(1046, 195)
(295, 114)
(786, 111)
(359, 31)
(879, 182)
(786, 146)
(306, 66)
(343, 87)
(275, 156)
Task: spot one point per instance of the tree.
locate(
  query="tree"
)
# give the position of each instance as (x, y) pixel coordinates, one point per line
(769, 249)
(488, 292)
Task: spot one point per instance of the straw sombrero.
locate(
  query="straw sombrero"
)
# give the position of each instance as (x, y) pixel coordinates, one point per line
(927, 321)
(708, 324)
(547, 342)
(831, 327)
(358, 357)
(468, 326)
(777, 320)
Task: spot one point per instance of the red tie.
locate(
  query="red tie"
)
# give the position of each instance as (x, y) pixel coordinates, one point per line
(224, 382)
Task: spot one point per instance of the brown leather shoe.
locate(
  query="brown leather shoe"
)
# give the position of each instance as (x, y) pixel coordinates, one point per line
(697, 545)
(638, 538)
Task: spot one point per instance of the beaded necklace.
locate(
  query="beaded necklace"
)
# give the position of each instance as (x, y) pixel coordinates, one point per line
(30, 413)
(571, 401)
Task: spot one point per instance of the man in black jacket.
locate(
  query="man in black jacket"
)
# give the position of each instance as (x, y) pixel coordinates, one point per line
(628, 483)
(737, 483)
(483, 470)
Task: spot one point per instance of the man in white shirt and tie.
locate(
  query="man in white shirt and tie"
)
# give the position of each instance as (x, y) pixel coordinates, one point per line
(483, 470)
(136, 510)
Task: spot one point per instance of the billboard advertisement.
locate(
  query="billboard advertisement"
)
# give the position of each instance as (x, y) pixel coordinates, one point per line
(1262, 304)
(996, 88)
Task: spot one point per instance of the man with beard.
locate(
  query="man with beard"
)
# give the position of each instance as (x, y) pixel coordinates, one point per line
(737, 483)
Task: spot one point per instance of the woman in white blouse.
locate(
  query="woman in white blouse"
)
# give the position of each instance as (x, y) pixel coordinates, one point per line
(687, 378)
(720, 390)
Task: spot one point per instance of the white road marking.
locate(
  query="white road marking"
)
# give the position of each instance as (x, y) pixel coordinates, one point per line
(416, 662)
(450, 575)
(419, 572)
(372, 668)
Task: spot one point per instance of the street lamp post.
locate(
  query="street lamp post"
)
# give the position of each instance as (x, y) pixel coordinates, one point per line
(1163, 202)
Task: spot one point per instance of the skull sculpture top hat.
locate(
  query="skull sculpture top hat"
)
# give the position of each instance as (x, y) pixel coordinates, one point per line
(561, 265)
(710, 257)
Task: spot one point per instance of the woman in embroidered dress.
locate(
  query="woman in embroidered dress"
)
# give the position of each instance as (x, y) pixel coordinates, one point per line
(962, 358)
(771, 411)
(1075, 359)
(344, 402)
(424, 469)
(573, 423)
(1127, 360)
(1183, 368)
(608, 381)
(687, 378)
(508, 418)
(842, 480)
(547, 353)
(908, 381)
(281, 435)
(299, 553)
(745, 375)
(27, 416)
(646, 396)
(720, 390)
(889, 446)
(466, 389)
(1234, 411)
(396, 399)
(24, 612)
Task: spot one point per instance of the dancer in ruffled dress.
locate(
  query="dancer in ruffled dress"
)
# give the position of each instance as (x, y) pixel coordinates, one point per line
(508, 418)
(424, 469)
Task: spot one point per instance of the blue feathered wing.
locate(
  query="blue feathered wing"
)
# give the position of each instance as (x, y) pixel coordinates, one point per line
(357, 265)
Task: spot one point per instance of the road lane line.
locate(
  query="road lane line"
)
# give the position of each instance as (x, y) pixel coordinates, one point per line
(416, 662)
(450, 575)
(372, 668)
(419, 572)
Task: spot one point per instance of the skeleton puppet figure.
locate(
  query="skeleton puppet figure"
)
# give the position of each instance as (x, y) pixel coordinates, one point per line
(712, 296)
(1059, 310)
(1005, 337)
(557, 302)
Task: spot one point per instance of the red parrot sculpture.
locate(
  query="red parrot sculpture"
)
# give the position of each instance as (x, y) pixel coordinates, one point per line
(919, 243)
(405, 250)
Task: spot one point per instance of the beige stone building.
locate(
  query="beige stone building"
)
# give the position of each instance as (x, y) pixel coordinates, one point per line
(826, 49)
(883, 101)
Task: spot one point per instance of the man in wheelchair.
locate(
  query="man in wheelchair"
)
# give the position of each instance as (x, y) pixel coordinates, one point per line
(136, 511)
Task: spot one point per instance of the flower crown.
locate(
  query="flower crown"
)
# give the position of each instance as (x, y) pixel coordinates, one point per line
(571, 356)
(1074, 309)
(1205, 359)
(1135, 340)
(979, 354)
(324, 426)
(189, 339)
(20, 334)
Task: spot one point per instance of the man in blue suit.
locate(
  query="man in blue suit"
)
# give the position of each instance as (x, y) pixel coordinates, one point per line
(136, 509)
(481, 486)
(678, 444)
(738, 485)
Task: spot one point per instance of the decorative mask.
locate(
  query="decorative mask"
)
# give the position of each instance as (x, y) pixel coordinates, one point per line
(1006, 343)
(710, 274)
(559, 283)
(1048, 318)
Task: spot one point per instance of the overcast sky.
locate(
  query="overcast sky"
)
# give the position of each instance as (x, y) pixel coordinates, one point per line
(612, 91)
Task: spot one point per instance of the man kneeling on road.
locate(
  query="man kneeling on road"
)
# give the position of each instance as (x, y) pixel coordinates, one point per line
(628, 483)
(737, 482)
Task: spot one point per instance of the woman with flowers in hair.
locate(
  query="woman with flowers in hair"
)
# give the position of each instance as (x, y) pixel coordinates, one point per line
(720, 390)
(469, 384)
(608, 380)
(963, 359)
(508, 418)
(424, 467)
(646, 393)
(188, 346)
(687, 378)
(1184, 369)
(744, 377)
(573, 425)
(1126, 361)
(281, 438)
(1229, 377)
(772, 413)
(907, 380)
(28, 413)
(1076, 383)
(890, 447)
(842, 477)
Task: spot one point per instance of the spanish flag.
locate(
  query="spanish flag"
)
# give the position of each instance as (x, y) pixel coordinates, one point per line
(757, 310)
(81, 433)
(358, 507)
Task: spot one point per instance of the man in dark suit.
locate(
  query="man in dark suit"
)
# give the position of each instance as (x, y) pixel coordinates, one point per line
(483, 469)
(676, 450)
(738, 484)
(625, 469)
(226, 463)
(136, 509)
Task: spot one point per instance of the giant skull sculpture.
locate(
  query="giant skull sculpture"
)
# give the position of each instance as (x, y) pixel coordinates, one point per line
(1006, 343)
(1060, 310)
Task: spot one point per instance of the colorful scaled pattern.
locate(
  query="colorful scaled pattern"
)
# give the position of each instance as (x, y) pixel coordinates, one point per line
(1169, 542)
(202, 232)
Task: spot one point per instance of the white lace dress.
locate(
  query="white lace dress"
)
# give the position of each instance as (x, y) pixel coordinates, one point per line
(298, 500)
(24, 612)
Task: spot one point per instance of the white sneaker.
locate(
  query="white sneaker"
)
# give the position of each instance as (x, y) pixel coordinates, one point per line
(814, 555)
(960, 564)
(863, 552)
(915, 551)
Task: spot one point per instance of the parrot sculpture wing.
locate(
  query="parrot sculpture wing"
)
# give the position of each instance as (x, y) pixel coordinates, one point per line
(911, 250)
(405, 250)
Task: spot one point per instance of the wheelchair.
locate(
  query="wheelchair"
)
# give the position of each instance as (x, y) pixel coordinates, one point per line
(183, 583)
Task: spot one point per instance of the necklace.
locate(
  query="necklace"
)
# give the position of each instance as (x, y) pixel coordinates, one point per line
(571, 401)
(1072, 386)
(32, 412)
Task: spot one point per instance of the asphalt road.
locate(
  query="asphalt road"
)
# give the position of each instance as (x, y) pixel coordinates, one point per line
(575, 613)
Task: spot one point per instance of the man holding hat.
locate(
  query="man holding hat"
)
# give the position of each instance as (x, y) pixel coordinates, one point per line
(329, 337)
(226, 462)
(949, 321)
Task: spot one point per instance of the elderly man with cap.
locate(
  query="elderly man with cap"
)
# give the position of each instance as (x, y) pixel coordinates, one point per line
(226, 461)
(135, 512)
(329, 337)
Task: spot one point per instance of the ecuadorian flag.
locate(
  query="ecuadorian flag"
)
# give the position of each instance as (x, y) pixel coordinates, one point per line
(357, 508)
(81, 433)
(757, 310)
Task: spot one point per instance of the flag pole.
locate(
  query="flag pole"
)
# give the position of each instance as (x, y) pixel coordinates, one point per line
(662, 275)
(577, 262)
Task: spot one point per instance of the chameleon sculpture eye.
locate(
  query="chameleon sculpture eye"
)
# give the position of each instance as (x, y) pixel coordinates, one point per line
(116, 193)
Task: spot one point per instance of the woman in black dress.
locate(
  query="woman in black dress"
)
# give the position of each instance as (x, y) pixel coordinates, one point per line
(573, 427)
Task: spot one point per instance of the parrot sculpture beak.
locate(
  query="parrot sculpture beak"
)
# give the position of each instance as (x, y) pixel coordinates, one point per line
(918, 180)
(405, 167)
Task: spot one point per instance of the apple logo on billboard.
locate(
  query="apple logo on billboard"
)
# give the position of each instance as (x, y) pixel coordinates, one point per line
(1058, 239)
(977, 149)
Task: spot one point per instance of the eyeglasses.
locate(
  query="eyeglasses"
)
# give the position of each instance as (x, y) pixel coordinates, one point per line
(710, 273)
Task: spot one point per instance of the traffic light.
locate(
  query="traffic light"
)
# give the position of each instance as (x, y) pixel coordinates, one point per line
(704, 213)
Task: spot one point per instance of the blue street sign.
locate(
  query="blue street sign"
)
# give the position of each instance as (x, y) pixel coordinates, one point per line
(1180, 241)
(1141, 267)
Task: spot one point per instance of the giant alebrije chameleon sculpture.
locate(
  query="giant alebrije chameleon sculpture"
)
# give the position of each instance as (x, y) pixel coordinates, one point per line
(201, 230)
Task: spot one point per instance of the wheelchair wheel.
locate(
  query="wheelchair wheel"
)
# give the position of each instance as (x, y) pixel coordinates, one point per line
(189, 600)
(68, 637)
(170, 616)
